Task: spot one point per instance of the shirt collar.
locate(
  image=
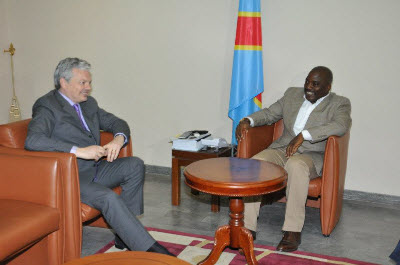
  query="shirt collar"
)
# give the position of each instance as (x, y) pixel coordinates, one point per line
(66, 98)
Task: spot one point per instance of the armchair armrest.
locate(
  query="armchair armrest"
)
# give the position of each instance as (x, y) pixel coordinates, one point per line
(254, 140)
(31, 179)
(333, 178)
(106, 137)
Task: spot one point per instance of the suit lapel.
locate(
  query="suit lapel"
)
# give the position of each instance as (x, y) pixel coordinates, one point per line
(77, 121)
(68, 109)
(317, 111)
(88, 118)
(91, 120)
(295, 105)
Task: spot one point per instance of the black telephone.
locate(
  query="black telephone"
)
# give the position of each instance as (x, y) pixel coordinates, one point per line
(194, 134)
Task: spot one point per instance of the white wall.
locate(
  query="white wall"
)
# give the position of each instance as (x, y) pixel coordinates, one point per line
(5, 67)
(165, 66)
(359, 40)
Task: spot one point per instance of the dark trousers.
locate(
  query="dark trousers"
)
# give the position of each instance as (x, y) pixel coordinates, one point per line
(396, 254)
(120, 211)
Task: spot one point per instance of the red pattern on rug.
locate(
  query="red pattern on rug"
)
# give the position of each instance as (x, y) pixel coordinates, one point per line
(273, 258)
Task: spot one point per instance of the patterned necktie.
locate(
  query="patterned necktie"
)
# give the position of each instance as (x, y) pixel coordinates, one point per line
(76, 107)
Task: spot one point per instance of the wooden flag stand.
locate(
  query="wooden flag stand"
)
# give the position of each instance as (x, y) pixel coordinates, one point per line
(15, 113)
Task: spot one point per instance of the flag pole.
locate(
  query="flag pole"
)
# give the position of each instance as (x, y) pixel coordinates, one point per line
(14, 114)
(247, 82)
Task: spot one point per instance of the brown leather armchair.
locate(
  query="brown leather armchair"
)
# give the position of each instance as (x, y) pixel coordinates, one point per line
(324, 192)
(31, 202)
(12, 139)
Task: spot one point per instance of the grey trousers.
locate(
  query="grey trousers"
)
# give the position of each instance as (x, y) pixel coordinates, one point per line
(300, 169)
(120, 211)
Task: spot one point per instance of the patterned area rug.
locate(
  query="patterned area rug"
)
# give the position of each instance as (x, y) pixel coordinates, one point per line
(194, 248)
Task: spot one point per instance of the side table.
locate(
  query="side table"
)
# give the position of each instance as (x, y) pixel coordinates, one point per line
(236, 178)
(184, 158)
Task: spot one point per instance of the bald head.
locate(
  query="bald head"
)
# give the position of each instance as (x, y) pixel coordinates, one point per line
(325, 72)
(318, 83)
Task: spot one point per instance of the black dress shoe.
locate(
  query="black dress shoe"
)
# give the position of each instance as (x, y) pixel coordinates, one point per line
(253, 233)
(120, 244)
(290, 241)
(157, 248)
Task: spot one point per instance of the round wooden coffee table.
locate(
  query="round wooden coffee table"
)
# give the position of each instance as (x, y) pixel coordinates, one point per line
(128, 258)
(236, 178)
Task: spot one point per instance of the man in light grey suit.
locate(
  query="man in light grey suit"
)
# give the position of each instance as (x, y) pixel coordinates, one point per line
(310, 115)
(68, 119)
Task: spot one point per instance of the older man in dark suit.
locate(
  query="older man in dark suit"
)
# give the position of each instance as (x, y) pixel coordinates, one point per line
(68, 119)
(310, 115)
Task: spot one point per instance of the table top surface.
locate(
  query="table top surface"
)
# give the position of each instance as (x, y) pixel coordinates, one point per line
(128, 258)
(232, 176)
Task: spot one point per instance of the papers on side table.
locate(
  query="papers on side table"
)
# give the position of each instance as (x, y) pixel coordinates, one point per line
(214, 142)
(191, 144)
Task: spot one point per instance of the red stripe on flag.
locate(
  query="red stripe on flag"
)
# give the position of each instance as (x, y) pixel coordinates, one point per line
(248, 31)
(259, 97)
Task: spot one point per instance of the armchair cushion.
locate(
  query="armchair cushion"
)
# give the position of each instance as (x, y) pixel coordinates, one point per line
(314, 188)
(24, 223)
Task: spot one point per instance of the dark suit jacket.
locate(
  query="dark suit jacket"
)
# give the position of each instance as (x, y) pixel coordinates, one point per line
(56, 127)
(330, 117)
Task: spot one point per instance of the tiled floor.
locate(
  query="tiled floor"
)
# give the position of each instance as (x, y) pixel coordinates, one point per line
(366, 231)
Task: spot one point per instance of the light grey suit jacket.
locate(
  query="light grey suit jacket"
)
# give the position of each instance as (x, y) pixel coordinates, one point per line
(330, 117)
(56, 127)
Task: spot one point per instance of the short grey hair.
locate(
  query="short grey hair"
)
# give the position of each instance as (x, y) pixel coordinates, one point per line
(64, 69)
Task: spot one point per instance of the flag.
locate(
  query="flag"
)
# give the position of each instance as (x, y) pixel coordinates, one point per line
(247, 70)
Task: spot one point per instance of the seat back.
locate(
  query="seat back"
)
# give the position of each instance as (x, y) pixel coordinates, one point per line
(13, 134)
(278, 129)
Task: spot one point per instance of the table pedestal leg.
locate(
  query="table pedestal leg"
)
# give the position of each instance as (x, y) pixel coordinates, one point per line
(176, 182)
(246, 244)
(215, 203)
(221, 241)
(234, 235)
